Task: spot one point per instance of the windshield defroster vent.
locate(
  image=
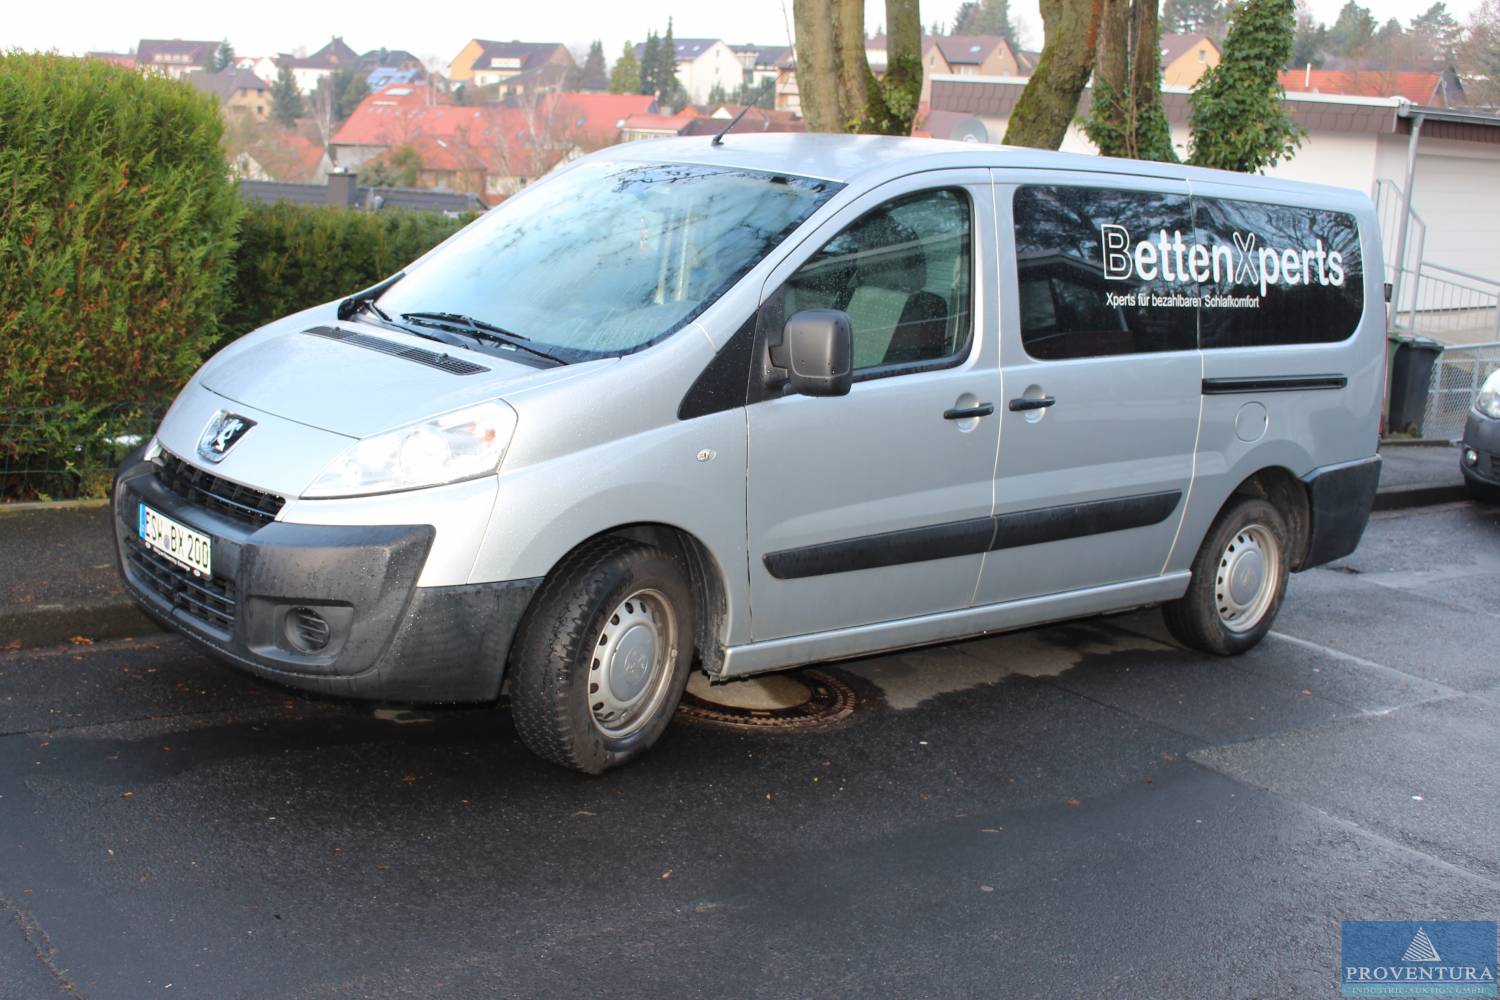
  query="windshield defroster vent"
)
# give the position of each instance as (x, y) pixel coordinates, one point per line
(422, 356)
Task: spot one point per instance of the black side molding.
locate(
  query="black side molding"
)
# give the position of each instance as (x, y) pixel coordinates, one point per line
(972, 536)
(1272, 383)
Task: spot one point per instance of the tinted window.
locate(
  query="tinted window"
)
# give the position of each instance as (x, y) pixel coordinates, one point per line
(607, 258)
(1102, 272)
(1274, 274)
(902, 273)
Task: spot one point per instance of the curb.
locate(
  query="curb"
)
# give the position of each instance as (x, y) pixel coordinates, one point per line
(10, 508)
(1405, 497)
(50, 626)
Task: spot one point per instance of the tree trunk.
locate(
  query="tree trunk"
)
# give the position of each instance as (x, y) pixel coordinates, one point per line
(856, 83)
(902, 86)
(839, 92)
(1050, 100)
(817, 65)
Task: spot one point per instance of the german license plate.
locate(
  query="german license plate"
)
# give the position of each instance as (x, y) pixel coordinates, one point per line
(177, 542)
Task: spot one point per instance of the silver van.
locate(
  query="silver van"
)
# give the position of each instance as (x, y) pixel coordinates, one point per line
(782, 399)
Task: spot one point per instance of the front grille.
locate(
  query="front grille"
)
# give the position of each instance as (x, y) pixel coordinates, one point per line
(210, 600)
(1495, 466)
(205, 489)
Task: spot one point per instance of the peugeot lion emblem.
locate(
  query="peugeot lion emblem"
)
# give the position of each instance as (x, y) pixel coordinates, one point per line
(221, 434)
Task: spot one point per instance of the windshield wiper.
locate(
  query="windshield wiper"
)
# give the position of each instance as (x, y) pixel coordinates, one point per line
(480, 331)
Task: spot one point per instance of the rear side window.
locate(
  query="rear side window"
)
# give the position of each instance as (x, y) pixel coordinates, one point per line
(1277, 274)
(902, 274)
(1099, 271)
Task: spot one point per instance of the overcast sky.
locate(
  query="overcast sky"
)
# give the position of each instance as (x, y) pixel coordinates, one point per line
(440, 30)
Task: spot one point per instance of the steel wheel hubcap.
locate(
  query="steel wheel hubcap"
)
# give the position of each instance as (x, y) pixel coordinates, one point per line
(631, 665)
(1248, 571)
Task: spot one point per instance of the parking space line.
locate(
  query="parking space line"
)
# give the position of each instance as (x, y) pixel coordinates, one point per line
(1360, 661)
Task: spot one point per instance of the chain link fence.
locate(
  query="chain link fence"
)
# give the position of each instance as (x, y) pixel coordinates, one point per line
(1456, 378)
(69, 452)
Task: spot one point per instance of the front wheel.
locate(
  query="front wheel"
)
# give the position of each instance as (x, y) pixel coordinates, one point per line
(1239, 579)
(600, 660)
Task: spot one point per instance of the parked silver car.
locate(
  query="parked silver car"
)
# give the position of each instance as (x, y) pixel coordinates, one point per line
(781, 400)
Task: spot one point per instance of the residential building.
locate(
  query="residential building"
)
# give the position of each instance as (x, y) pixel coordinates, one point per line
(761, 62)
(654, 126)
(513, 68)
(967, 55)
(1432, 87)
(788, 97)
(702, 65)
(1357, 141)
(491, 150)
(722, 118)
(309, 70)
(264, 67)
(239, 92)
(393, 59)
(1185, 58)
(174, 57)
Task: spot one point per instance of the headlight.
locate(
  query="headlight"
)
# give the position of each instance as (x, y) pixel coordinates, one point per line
(1488, 402)
(461, 445)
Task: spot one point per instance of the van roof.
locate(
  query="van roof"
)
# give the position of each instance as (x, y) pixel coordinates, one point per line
(873, 158)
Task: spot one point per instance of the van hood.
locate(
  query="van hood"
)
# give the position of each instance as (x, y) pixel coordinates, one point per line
(360, 380)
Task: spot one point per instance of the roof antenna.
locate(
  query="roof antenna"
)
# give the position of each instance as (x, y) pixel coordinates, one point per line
(719, 139)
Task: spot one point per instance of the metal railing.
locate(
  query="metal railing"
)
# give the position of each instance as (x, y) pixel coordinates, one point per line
(1456, 378)
(69, 452)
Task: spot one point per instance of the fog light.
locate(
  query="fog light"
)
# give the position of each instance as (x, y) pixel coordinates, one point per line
(306, 630)
(1471, 457)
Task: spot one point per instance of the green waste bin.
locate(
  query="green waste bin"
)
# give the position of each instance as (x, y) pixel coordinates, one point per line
(1411, 363)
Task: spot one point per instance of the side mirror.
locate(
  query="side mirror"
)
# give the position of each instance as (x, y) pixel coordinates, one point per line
(816, 353)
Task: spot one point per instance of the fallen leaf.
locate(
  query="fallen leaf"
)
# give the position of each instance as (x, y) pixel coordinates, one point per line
(667, 874)
(13, 644)
(127, 795)
(81, 640)
(408, 778)
(1074, 802)
(986, 888)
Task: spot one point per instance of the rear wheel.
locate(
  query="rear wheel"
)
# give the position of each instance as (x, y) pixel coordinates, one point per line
(601, 659)
(1239, 579)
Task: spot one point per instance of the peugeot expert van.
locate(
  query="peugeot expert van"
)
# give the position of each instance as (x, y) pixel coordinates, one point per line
(779, 400)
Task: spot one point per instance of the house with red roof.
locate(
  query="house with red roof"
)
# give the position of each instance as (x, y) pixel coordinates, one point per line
(1431, 87)
(174, 57)
(309, 70)
(490, 150)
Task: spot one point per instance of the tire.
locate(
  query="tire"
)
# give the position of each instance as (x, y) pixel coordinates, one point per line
(612, 610)
(1218, 615)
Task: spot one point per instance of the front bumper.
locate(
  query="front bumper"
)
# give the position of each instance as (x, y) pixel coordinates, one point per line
(1481, 433)
(387, 640)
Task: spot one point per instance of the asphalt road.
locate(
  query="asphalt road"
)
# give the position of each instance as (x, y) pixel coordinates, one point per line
(1077, 811)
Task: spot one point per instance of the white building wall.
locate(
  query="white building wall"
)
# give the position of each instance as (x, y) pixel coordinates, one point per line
(717, 64)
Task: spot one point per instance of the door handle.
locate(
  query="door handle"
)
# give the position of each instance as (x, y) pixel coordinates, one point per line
(969, 412)
(1031, 403)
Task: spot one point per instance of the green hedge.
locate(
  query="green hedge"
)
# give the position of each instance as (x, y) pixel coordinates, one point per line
(116, 226)
(294, 256)
(126, 257)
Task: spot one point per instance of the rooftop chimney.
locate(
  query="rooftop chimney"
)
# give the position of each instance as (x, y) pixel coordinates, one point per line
(342, 189)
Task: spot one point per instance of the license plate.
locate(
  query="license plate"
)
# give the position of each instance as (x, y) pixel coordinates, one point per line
(179, 543)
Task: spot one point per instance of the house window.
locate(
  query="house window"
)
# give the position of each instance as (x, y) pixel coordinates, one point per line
(1203, 55)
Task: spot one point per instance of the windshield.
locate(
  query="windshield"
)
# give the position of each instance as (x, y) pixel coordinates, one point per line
(608, 258)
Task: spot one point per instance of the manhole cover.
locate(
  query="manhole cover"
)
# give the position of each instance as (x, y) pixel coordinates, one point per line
(809, 699)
